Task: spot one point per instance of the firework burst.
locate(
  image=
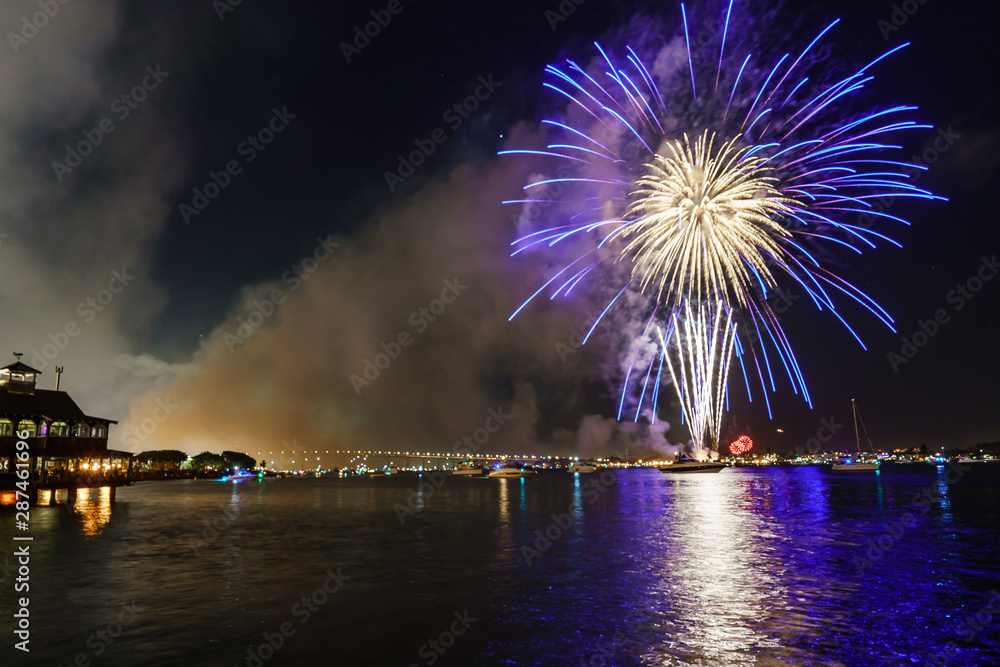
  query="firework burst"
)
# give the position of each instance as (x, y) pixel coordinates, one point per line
(700, 221)
(741, 445)
(747, 183)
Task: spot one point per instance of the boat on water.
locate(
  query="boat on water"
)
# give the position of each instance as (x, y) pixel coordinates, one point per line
(855, 466)
(687, 464)
(239, 475)
(387, 471)
(469, 469)
(582, 467)
(859, 465)
(511, 470)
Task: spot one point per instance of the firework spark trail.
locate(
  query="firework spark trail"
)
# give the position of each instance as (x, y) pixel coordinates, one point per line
(731, 202)
(703, 340)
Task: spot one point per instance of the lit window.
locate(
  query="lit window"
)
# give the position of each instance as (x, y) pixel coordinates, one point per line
(6, 428)
(81, 430)
(27, 425)
(59, 429)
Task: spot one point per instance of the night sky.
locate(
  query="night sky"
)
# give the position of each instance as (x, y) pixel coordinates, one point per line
(323, 176)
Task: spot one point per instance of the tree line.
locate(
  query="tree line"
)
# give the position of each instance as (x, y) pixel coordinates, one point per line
(164, 460)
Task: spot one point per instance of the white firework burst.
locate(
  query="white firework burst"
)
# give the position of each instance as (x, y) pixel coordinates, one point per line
(701, 221)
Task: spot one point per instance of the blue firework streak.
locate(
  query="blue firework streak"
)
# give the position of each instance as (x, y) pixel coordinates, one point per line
(710, 201)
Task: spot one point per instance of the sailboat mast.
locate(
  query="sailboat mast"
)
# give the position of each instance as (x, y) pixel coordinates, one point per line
(854, 409)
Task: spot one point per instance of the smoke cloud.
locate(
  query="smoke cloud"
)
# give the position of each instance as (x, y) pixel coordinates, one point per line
(394, 338)
(397, 339)
(83, 193)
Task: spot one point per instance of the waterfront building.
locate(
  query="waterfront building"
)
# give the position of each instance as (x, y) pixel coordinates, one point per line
(68, 449)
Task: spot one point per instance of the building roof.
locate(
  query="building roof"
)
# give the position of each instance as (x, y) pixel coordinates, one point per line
(82, 448)
(53, 405)
(18, 367)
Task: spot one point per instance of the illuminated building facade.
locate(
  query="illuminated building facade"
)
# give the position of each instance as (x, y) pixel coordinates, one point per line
(67, 448)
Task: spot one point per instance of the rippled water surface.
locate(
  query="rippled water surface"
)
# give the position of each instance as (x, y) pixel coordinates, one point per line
(773, 566)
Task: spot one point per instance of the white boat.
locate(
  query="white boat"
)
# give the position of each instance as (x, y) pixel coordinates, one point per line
(857, 466)
(469, 469)
(581, 466)
(511, 470)
(687, 464)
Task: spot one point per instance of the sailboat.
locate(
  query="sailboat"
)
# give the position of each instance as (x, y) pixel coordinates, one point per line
(858, 466)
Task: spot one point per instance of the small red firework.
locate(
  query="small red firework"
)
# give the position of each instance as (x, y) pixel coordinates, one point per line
(741, 444)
